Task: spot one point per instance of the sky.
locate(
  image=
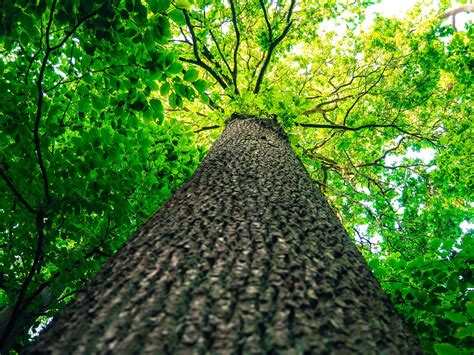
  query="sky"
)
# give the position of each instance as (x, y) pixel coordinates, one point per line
(398, 8)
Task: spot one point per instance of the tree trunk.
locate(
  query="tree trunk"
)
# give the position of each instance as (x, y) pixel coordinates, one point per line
(247, 257)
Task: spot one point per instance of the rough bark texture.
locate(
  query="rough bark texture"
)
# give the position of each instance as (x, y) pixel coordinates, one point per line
(247, 258)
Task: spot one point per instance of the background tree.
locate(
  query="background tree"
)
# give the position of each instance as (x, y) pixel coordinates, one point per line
(125, 83)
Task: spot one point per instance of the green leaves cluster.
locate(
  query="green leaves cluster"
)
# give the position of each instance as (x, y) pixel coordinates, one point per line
(86, 150)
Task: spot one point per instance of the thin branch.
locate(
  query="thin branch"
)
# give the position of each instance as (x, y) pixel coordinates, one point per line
(207, 68)
(15, 191)
(32, 60)
(206, 128)
(347, 128)
(237, 44)
(77, 78)
(318, 107)
(220, 52)
(383, 156)
(95, 251)
(210, 57)
(63, 116)
(39, 105)
(186, 40)
(74, 28)
(362, 95)
(198, 60)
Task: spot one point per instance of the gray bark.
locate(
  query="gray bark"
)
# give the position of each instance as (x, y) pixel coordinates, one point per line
(247, 257)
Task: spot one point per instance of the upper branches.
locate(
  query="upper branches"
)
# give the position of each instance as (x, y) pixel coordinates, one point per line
(217, 47)
(197, 54)
(273, 41)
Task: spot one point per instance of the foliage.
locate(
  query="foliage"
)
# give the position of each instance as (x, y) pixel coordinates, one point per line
(85, 163)
(101, 98)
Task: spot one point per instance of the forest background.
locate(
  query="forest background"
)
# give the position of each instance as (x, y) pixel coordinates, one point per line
(108, 106)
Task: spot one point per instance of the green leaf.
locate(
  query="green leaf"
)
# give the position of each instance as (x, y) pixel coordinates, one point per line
(175, 68)
(470, 308)
(446, 349)
(456, 317)
(148, 39)
(183, 4)
(156, 105)
(191, 75)
(172, 100)
(84, 104)
(98, 103)
(165, 88)
(465, 332)
(158, 5)
(83, 89)
(205, 98)
(177, 16)
(161, 29)
(200, 85)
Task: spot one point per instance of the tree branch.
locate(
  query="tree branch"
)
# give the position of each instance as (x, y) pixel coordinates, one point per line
(35, 268)
(267, 21)
(237, 44)
(206, 67)
(273, 43)
(74, 28)
(220, 52)
(362, 95)
(319, 107)
(383, 156)
(457, 10)
(347, 128)
(206, 128)
(15, 191)
(39, 105)
(198, 60)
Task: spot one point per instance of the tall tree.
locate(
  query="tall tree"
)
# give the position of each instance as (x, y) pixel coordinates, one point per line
(100, 100)
(247, 257)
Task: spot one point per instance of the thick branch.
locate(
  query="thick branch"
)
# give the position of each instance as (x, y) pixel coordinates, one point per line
(207, 68)
(35, 268)
(267, 21)
(457, 10)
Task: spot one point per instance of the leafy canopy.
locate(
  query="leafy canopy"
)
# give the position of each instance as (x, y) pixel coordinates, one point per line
(108, 106)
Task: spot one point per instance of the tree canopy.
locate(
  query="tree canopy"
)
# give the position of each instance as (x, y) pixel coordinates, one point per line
(108, 106)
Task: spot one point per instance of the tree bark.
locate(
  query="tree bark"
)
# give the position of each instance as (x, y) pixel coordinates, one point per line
(247, 257)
